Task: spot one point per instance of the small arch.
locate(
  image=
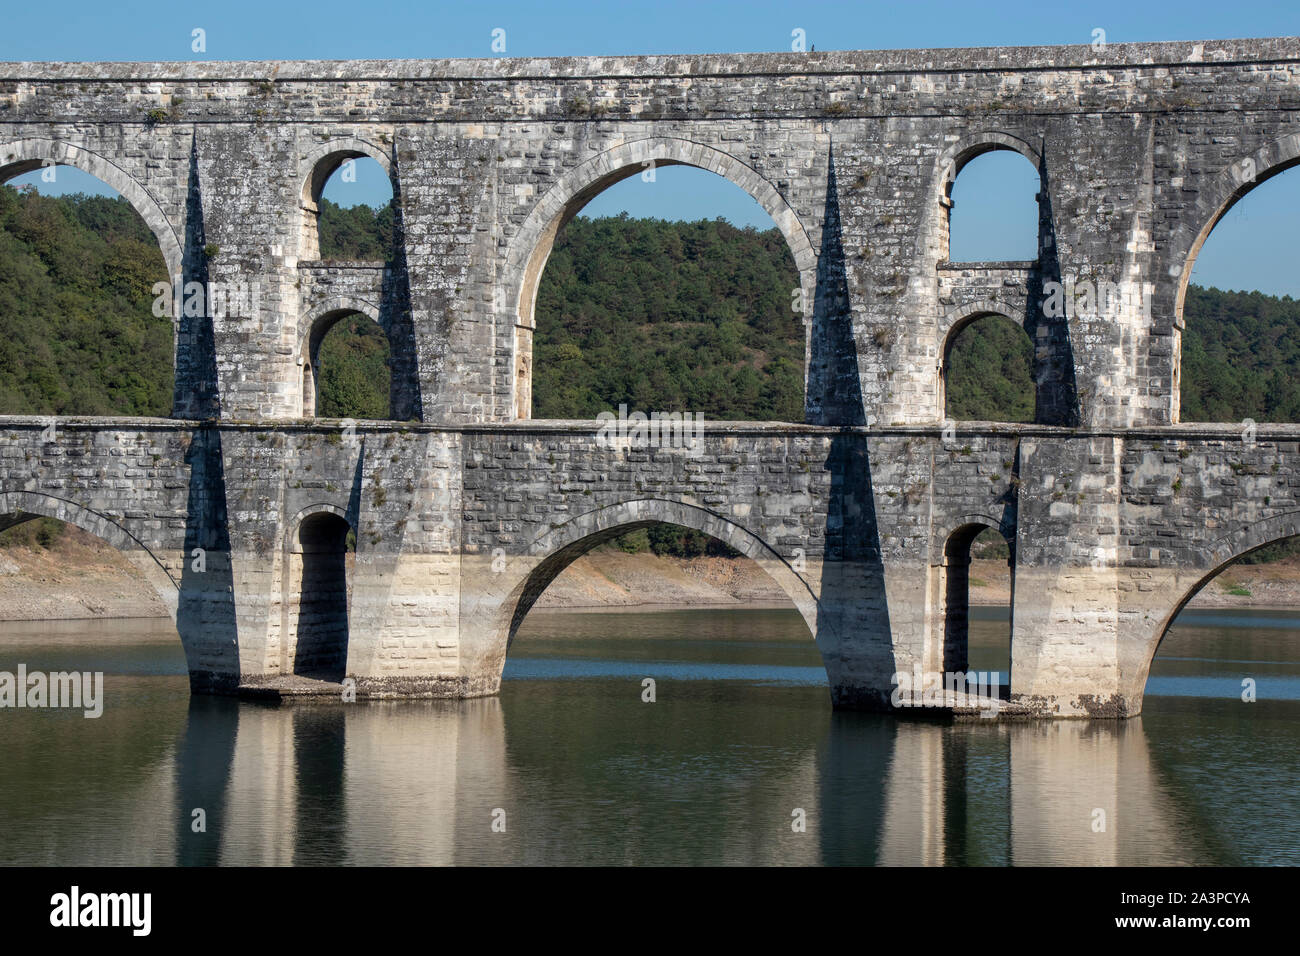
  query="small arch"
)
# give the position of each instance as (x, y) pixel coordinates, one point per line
(318, 593)
(952, 582)
(313, 333)
(949, 166)
(25, 155)
(316, 168)
(531, 246)
(957, 405)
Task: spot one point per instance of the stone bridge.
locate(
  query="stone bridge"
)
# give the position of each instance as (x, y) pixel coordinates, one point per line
(241, 507)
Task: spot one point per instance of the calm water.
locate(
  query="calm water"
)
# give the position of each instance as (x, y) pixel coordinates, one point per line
(581, 770)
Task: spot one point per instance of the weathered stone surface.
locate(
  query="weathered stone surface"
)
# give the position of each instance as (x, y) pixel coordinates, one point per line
(1115, 512)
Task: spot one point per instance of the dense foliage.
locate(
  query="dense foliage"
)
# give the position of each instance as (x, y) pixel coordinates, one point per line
(35, 533)
(668, 317)
(1241, 357)
(990, 373)
(673, 540)
(76, 309)
(358, 232)
(353, 368)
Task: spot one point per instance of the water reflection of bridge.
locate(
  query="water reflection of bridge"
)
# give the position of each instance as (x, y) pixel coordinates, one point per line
(418, 783)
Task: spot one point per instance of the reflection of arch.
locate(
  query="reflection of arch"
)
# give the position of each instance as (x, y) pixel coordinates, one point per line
(950, 164)
(20, 506)
(24, 155)
(315, 169)
(561, 546)
(531, 246)
(313, 332)
(962, 317)
(1213, 202)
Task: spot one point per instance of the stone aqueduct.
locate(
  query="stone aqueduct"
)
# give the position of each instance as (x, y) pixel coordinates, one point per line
(463, 509)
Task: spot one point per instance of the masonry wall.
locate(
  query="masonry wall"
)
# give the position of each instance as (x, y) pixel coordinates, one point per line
(1139, 147)
(462, 517)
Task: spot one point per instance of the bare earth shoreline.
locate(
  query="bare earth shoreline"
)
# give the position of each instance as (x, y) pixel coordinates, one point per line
(85, 578)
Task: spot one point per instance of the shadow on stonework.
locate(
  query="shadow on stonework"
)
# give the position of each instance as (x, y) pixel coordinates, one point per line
(853, 627)
(205, 613)
(396, 317)
(196, 395)
(1056, 399)
(834, 382)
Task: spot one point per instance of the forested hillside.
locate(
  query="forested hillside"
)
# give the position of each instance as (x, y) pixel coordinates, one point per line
(357, 232)
(662, 316)
(668, 316)
(77, 330)
(1241, 357)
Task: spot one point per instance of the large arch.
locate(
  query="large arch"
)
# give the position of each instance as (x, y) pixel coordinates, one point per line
(1212, 203)
(25, 155)
(531, 246)
(561, 546)
(1224, 191)
(1222, 552)
(17, 507)
(1229, 548)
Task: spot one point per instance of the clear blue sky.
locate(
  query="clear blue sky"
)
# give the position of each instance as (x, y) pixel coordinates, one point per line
(1251, 248)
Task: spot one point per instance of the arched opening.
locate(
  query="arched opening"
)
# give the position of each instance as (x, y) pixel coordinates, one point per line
(686, 289)
(987, 373)
(672, 556)
(1246, 611)
(993, 207)
(86, 330)
(347, 368)
(662, 592)
(319, 567)
(348, 203)
(75, 588)
(52, 569)
(667, 315)
(1220, 688)
(979, 642)
(1240, 304)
